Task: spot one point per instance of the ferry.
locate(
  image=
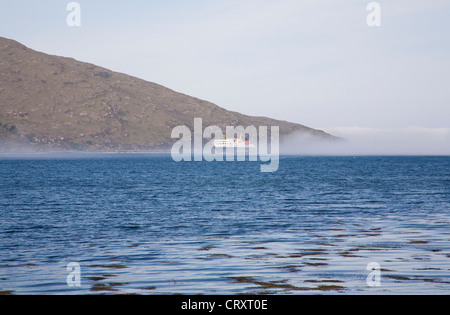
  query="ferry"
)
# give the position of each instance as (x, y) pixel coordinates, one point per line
(232, 143)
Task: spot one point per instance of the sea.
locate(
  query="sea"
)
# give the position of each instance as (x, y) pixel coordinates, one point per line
(145, 224)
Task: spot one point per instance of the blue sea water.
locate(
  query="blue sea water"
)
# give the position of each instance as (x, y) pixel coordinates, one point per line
(145, 224)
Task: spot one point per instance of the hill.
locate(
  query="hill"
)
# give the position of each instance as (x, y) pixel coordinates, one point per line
(56, 103)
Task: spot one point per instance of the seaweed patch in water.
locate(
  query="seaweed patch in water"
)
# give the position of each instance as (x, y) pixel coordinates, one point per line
(329, 288)
(220, 255)
(283, 285)
(316, 264)
(207, 248)
(107, 286)
(417, 242)
(102, 287)
(95, 279)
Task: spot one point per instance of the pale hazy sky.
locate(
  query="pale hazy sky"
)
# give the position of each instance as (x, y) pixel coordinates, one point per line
(314, 62)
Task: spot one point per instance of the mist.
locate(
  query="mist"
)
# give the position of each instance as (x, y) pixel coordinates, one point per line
(372, 141)
(351, 141)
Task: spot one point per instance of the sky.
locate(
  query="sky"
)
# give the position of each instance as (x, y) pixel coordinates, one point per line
(317, 63)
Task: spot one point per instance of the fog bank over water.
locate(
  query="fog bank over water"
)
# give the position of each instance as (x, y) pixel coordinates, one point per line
(353, 141)
(373, 141)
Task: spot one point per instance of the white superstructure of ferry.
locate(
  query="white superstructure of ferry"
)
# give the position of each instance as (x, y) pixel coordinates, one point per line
(231, 143)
